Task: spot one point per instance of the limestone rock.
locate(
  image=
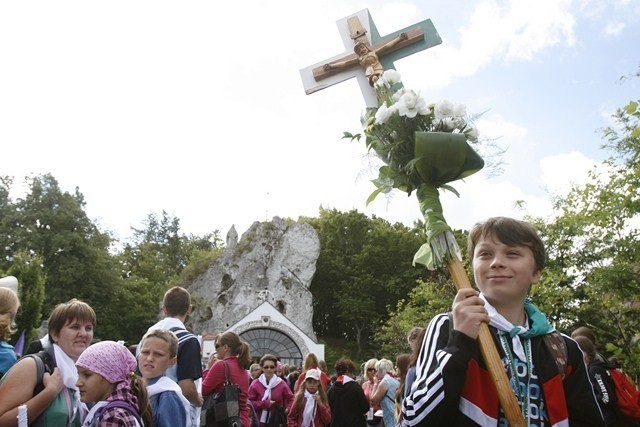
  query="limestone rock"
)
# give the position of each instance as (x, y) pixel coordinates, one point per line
(273, 261)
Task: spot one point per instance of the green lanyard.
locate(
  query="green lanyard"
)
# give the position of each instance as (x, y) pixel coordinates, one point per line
(523, 398)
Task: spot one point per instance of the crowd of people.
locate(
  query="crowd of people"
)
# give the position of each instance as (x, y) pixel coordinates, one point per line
(68, 380)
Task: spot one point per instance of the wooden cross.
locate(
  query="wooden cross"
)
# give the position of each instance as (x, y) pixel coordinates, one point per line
(358, 31)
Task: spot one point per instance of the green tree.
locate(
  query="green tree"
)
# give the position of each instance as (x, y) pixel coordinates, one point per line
(593, 277)
(431, 296)
(27, 268)
(53, 225)
(158, 257)
(364, 267)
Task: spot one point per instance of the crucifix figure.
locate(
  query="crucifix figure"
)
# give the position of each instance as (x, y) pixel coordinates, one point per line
(369, 54)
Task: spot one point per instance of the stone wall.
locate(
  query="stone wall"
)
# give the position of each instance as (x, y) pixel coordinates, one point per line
(273, 261)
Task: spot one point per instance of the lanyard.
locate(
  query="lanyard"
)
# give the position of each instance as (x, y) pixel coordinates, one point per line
(523, 395)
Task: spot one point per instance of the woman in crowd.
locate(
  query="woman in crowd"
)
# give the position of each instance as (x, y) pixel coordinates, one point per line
(402, 367)
(384, 391)
(368, 376)
(269, 390)
(9, 305)
(58, 403)
(415, 342)
(234, 352)
(347, 401)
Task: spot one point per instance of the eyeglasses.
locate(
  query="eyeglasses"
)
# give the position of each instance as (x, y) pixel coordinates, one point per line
(371, 370)
(218, 345)
(268, 367)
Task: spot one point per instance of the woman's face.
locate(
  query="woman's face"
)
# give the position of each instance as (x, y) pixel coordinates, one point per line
(74, 337)
(222, 351)
(268, 368)
(371, 371)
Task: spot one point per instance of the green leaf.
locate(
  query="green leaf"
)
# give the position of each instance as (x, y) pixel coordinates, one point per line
(443, 157)
(373, 196)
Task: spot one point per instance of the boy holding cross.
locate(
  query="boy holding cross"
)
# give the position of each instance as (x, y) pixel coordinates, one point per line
(546, 369)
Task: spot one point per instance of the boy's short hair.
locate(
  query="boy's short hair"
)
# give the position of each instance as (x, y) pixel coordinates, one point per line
(584, 331)
(176, 301)
(166, 336)
(587, 347)
(69, 311)
(511, 232)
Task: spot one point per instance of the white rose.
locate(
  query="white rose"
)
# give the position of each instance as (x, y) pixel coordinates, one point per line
(383, 114)
(391, 76)
(411, 104)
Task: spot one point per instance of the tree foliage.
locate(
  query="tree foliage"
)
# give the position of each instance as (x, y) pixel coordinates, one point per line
(364, 268)
(594, 247)
(48, 242)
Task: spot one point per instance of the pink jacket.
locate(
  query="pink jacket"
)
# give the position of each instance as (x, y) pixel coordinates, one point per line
(281, 394)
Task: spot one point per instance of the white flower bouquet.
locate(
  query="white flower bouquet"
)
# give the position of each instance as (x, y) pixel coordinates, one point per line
(423, 147)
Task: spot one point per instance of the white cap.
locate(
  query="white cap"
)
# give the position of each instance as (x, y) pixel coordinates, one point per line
(312, 373)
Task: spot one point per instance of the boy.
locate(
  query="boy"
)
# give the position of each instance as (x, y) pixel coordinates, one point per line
(452, 386)
(158, 353)
(176, 306)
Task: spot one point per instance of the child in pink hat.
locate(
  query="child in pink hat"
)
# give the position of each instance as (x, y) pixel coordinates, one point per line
(106, 377)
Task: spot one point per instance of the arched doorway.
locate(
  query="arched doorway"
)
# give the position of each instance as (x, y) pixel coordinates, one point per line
(271, 341)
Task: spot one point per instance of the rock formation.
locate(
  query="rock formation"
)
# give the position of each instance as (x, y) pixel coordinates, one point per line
(273, 261)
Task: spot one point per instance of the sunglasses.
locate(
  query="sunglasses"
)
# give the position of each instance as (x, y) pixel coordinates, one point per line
(268, 367)
(371, 370)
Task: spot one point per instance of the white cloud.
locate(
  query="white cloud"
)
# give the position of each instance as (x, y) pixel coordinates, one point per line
(614, 28)
(565, 170)
(513, 30)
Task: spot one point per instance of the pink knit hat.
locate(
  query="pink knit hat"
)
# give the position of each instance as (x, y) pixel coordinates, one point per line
(108, 358)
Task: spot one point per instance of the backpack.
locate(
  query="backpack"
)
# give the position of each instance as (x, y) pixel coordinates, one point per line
(628, 398)
(116, 404)
(45, 362)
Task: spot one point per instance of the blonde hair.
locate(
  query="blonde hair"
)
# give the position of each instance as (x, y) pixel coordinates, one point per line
(9, 305)
(166, 336)
(384, 366)
(371, 363)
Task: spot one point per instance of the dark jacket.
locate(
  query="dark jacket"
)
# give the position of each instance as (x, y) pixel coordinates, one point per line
(605, 391)
(348, 404)
(453, 386)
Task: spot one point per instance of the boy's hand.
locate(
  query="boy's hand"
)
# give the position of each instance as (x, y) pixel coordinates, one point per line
(469, 312)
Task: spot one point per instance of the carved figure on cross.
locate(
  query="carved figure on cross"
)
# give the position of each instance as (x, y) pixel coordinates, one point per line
(368, 54)
(369, 58)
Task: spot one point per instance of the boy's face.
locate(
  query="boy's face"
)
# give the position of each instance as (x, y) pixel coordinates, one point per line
(503, 273)
(93, 387)
(154, 358)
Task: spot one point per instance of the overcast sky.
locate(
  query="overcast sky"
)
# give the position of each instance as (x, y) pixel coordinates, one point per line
(197, 107)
